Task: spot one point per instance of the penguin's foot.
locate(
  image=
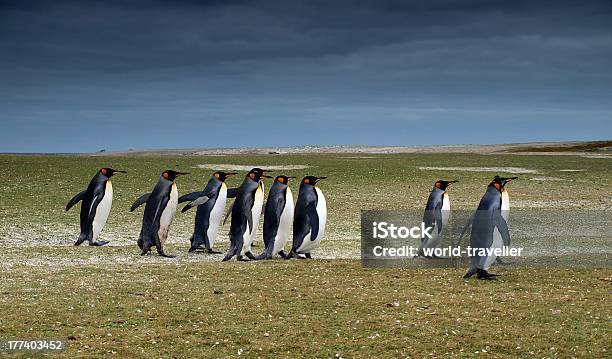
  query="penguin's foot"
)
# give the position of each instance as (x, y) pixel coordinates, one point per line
(242, 259)
(163, 254)
(307, 255)
(299, 256)
(98, 243)
(282, 254)
(469, 274)
(250, 255)
(483, 274)
(214, 251)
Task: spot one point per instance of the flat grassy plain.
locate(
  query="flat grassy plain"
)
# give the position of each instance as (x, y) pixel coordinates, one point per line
(109, 301)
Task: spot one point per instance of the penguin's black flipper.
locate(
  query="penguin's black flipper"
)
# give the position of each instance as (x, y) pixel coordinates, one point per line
(313, 218)
(502, 226)
(227, 214)
(76, 199)
(249, 216)
(140, 201)
(232, 192)
(198, 201)
(189, 197)
(438, 217)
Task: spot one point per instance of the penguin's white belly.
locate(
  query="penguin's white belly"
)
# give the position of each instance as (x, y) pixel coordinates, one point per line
(103, 210)
(216, 214)
(168, 214)
(285, 222)
(505, 205)
(308, 244)
(445, 210)
(255, 214)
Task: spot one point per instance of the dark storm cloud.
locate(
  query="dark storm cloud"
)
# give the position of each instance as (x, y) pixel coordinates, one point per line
(187, 73)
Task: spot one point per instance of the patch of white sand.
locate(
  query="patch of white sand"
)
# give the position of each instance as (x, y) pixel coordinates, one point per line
(572, 170)
(547, 179)
(231, 167)
(597, 156)
(481, 169)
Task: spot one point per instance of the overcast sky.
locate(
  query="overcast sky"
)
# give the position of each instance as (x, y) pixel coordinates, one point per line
(80, 76)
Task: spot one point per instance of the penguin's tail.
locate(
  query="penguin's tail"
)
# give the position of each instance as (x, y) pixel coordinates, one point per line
(82, 238)
(234, 250)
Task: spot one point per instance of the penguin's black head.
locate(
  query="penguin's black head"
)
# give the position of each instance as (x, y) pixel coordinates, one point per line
(109, 172)
(283, 179)
(442, 184)
(257, 174)
(222, 176)
(500, 182)
(171, 175)
(312, 180)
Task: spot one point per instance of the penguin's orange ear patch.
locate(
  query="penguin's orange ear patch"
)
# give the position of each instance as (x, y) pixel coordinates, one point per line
(437, 184)
(216, 174)
(498, 186)
(307, 180)
(103, 171)
(252, 175)
(165, 174)
(281, 180)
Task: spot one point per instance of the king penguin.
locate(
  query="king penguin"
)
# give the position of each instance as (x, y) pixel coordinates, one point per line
(436, 215)
(210, 203)
(97, 202)
(278, 216)
(245, 211)
(310, 218)
(486, 221)
(159, 212)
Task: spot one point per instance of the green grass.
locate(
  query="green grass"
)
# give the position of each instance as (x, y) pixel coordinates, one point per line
(109, 300)
(307, 308)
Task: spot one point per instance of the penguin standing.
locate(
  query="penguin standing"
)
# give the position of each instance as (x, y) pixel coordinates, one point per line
(309, 219)
(278, 216)
(486, 221)
(159, 212)
(97, 201)
(245, 211)
(210, 203)
(436, 215)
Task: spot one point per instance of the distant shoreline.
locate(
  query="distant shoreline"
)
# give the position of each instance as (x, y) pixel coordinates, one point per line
(603, 148)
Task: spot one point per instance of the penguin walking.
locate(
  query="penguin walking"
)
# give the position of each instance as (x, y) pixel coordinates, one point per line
(97, 201)
(159, 212)
(245, 213)
(436, 215)
(309, 219)
(210, 203)
(486, 221)
(278, 216)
